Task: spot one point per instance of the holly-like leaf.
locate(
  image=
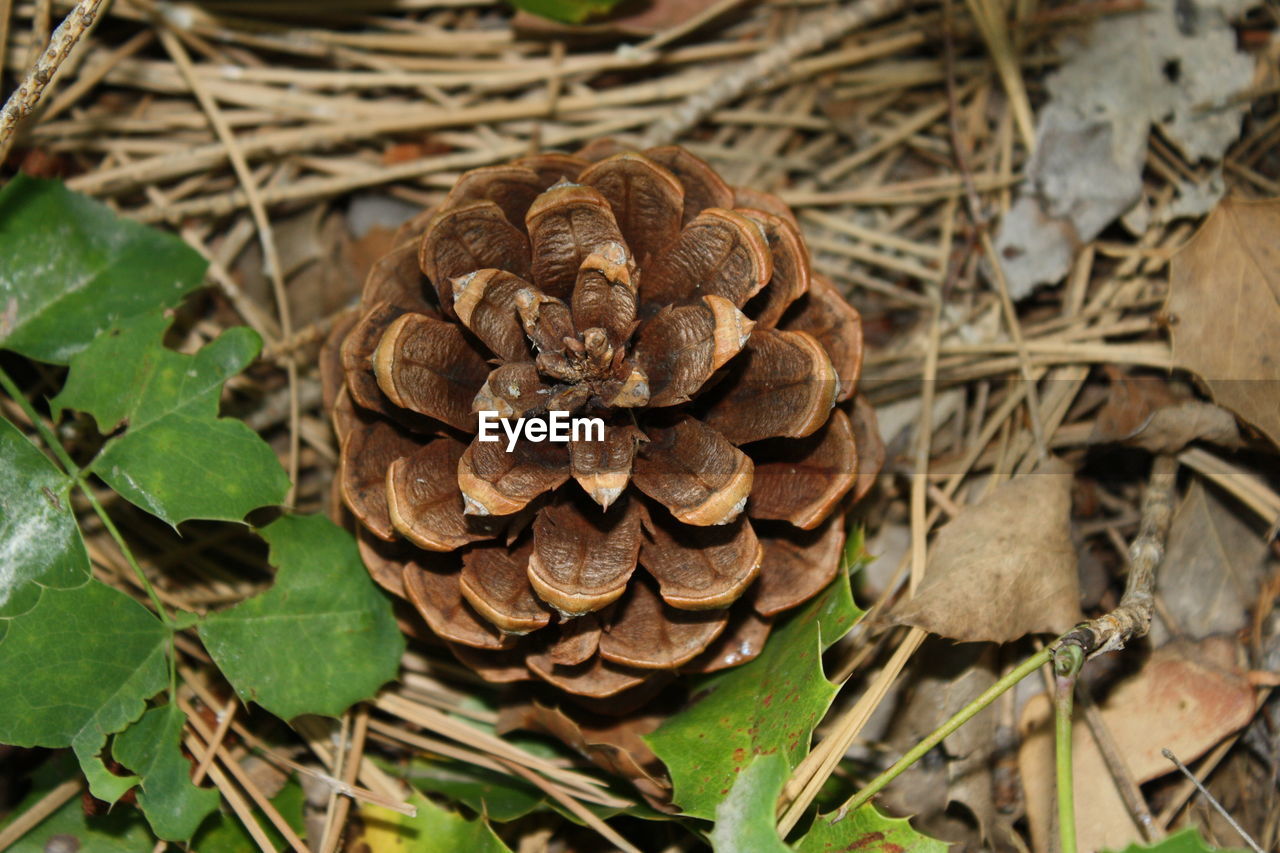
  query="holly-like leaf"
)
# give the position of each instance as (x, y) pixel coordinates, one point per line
(73, 269)
(175, 458)
(120, 830)
(866, 830)
(745, 819)
(76, 668)
(40, 545)
(432, 830)
(1186, 841)
(566, 11)
(769, 705)
(152, 748)
(321, 639)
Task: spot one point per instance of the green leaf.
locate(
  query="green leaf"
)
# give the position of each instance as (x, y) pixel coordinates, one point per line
(769, 705)
(745, 818)
(77, 668)
(321, 639)
(433, 830)
(1186, 841)
(866, 830)
(566, 11)
(497, 796)
(176, 458)
(40, 545)
(73, 269)
(152, 748)
(121, 830)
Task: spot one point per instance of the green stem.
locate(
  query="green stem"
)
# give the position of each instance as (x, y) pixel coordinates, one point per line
(1068, 659)
(51, 440)
(142, 578)
(128, 554)
(961, 717)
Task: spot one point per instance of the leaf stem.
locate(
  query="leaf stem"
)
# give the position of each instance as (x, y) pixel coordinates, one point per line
(961, 717)
(128, 554)
(1067, 661)
(78, 477)
(142, 578)
(47, 434)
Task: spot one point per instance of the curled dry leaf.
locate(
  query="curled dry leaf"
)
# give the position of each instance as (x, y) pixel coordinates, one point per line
(1224, 306)
(1152, 413)
(1003, 567)
(1186, 698)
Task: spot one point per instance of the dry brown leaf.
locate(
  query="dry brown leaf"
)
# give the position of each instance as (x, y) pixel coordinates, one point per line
(1224, 306)
(613, 743)
(1004, 567)
(1211, 569)
(1130, 402)
(1186, 698)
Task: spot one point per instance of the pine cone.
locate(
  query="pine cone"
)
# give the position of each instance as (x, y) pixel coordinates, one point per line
(642, 290)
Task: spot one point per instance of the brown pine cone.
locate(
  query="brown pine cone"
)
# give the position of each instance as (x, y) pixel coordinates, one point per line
(642, 291)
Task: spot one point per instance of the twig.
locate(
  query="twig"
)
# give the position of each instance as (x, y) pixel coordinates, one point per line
(25, 98)
(1132, 618)
(818, 32)
(1212, 801)
(1116, 764)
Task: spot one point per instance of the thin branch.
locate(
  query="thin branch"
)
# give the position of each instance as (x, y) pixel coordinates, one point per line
(25, 98)
(822, 30)
(1132, 618)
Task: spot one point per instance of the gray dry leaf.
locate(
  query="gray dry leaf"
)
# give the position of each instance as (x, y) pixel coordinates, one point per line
(1171, 428)
(1158, 67)
(947, 677)
(1211, 568)
(1004, 567)
(1224, 307)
